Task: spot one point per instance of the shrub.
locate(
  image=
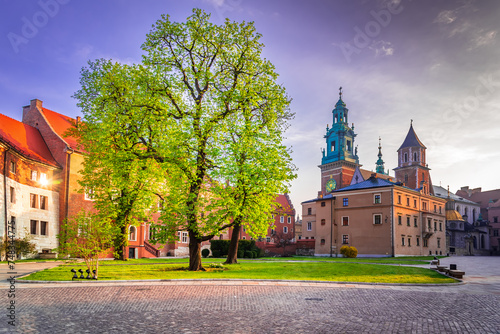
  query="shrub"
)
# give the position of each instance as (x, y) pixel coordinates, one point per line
(249, 254)
(241, 253)
(205, 252)
(216, 253)
(348, 251)
(221, 245)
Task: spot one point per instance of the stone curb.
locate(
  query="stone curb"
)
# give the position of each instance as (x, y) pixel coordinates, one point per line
(221, 280)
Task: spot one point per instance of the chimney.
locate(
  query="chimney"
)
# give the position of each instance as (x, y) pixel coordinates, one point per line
(35, 103)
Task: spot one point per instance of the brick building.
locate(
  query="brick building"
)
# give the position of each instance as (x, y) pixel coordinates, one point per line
(373, 212)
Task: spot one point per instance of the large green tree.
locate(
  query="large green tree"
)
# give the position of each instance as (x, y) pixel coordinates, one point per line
(201, 97)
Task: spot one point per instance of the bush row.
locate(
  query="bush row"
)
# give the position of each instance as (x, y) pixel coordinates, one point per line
(246, 248)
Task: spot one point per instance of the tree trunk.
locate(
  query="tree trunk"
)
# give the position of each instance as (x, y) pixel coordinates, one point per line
(232, 256)
(120, 243)
(194, 252)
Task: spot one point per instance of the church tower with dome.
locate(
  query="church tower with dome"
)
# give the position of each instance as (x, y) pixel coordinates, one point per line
(340, 157)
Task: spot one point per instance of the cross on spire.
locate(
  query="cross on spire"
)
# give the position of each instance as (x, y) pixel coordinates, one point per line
(340, 92)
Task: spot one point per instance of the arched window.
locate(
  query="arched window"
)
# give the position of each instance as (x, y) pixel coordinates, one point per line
(406, 157)
(458, 208)
(132, 233)
(465, 212)
(336, 118)
(482, 242)
(473, 215)
(415, 156)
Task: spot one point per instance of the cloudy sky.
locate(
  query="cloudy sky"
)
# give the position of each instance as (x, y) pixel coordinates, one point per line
(436, 62)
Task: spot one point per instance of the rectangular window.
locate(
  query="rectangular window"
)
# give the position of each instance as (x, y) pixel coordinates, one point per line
(33, 225)
(400, 220)
(345, 221)
(309, 211)
(440, 226)
(33, 175)
(185, 237)
(33, 201)
(418, 241)
(424, 205)
(13, 167)
(439, 243)
(309, 226)
(377, 199)
(323, 203)
(43, 228)
(415, 221)
(285, 230)
(414, 203)
(268, 239)
(289, 220)
(332, 146)
(435, 208)
(282, 219)
(322, 241)
(273, 231)
(323, 222)
(440, 209)
(12, 195)
(429, 222)
(43, 178)
(348, 146)
(399, 199)
(407, 201)
(377, 219)
(435, 226)
(425, 243)
(408, 221)
(495, 233)
(345, 239)
(495, 219)
(345, 201)
(409, 242)
(402, 241)
(89, 194)
(44, 202)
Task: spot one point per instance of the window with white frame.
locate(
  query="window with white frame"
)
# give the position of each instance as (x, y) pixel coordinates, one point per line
(12, 195)
(377, 199)
(185, 238)
(33, 226)
(132, 233)
(33, 175)
(377, 219)
(289, 220)
(89, 194)
(34, 201)
(44, 202)
(345, 221)
(268, 239)
(13, 167)
(282, 219)
(345, 239)
(285, 230)
(309, 226)
(43, 228)
(43, 179)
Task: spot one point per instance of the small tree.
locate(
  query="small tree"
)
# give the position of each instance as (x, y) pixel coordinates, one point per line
(282, 240)
(22, 247)
(88, 236)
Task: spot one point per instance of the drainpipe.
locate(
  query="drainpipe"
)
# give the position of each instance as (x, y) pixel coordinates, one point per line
(393, 232)
(68, 166)
(5, 189)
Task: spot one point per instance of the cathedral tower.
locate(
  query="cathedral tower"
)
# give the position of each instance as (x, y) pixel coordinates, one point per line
(340, 157)
(380, 162)
(412, 169)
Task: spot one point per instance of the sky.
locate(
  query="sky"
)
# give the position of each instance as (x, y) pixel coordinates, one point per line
(436, 62)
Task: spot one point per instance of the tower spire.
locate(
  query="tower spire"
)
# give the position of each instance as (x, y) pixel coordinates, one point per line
(340, 93)
(380, 162)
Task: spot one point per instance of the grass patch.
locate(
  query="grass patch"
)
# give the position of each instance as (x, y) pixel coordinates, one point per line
(313, 271)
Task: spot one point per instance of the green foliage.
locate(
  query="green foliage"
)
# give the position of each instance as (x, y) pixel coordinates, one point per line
(241, 253)
(201, 116)
(20, 247)
(205, 252)
(348, 251)
(221, 246)
(249, 254)
(88, 236)
(216, 253)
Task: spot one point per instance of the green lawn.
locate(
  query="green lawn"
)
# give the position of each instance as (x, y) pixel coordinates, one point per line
(253, 269)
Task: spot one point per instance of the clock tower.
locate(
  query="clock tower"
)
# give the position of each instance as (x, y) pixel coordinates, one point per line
(340, 157)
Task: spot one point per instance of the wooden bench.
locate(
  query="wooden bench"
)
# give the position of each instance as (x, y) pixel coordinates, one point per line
(442, 268)
(456, 273)
(435, 263)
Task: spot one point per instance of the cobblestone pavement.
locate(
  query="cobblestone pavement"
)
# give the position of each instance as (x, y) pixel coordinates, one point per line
(240, 306)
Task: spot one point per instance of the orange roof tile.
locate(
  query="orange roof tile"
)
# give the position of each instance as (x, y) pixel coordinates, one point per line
(26, 140)
(60, 124)
(283, 201)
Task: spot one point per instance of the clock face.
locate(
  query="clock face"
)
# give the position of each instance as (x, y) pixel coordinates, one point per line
(331, 185)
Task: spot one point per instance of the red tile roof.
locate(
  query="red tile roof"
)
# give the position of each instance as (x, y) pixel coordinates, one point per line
(26, 140)
(60, 124)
